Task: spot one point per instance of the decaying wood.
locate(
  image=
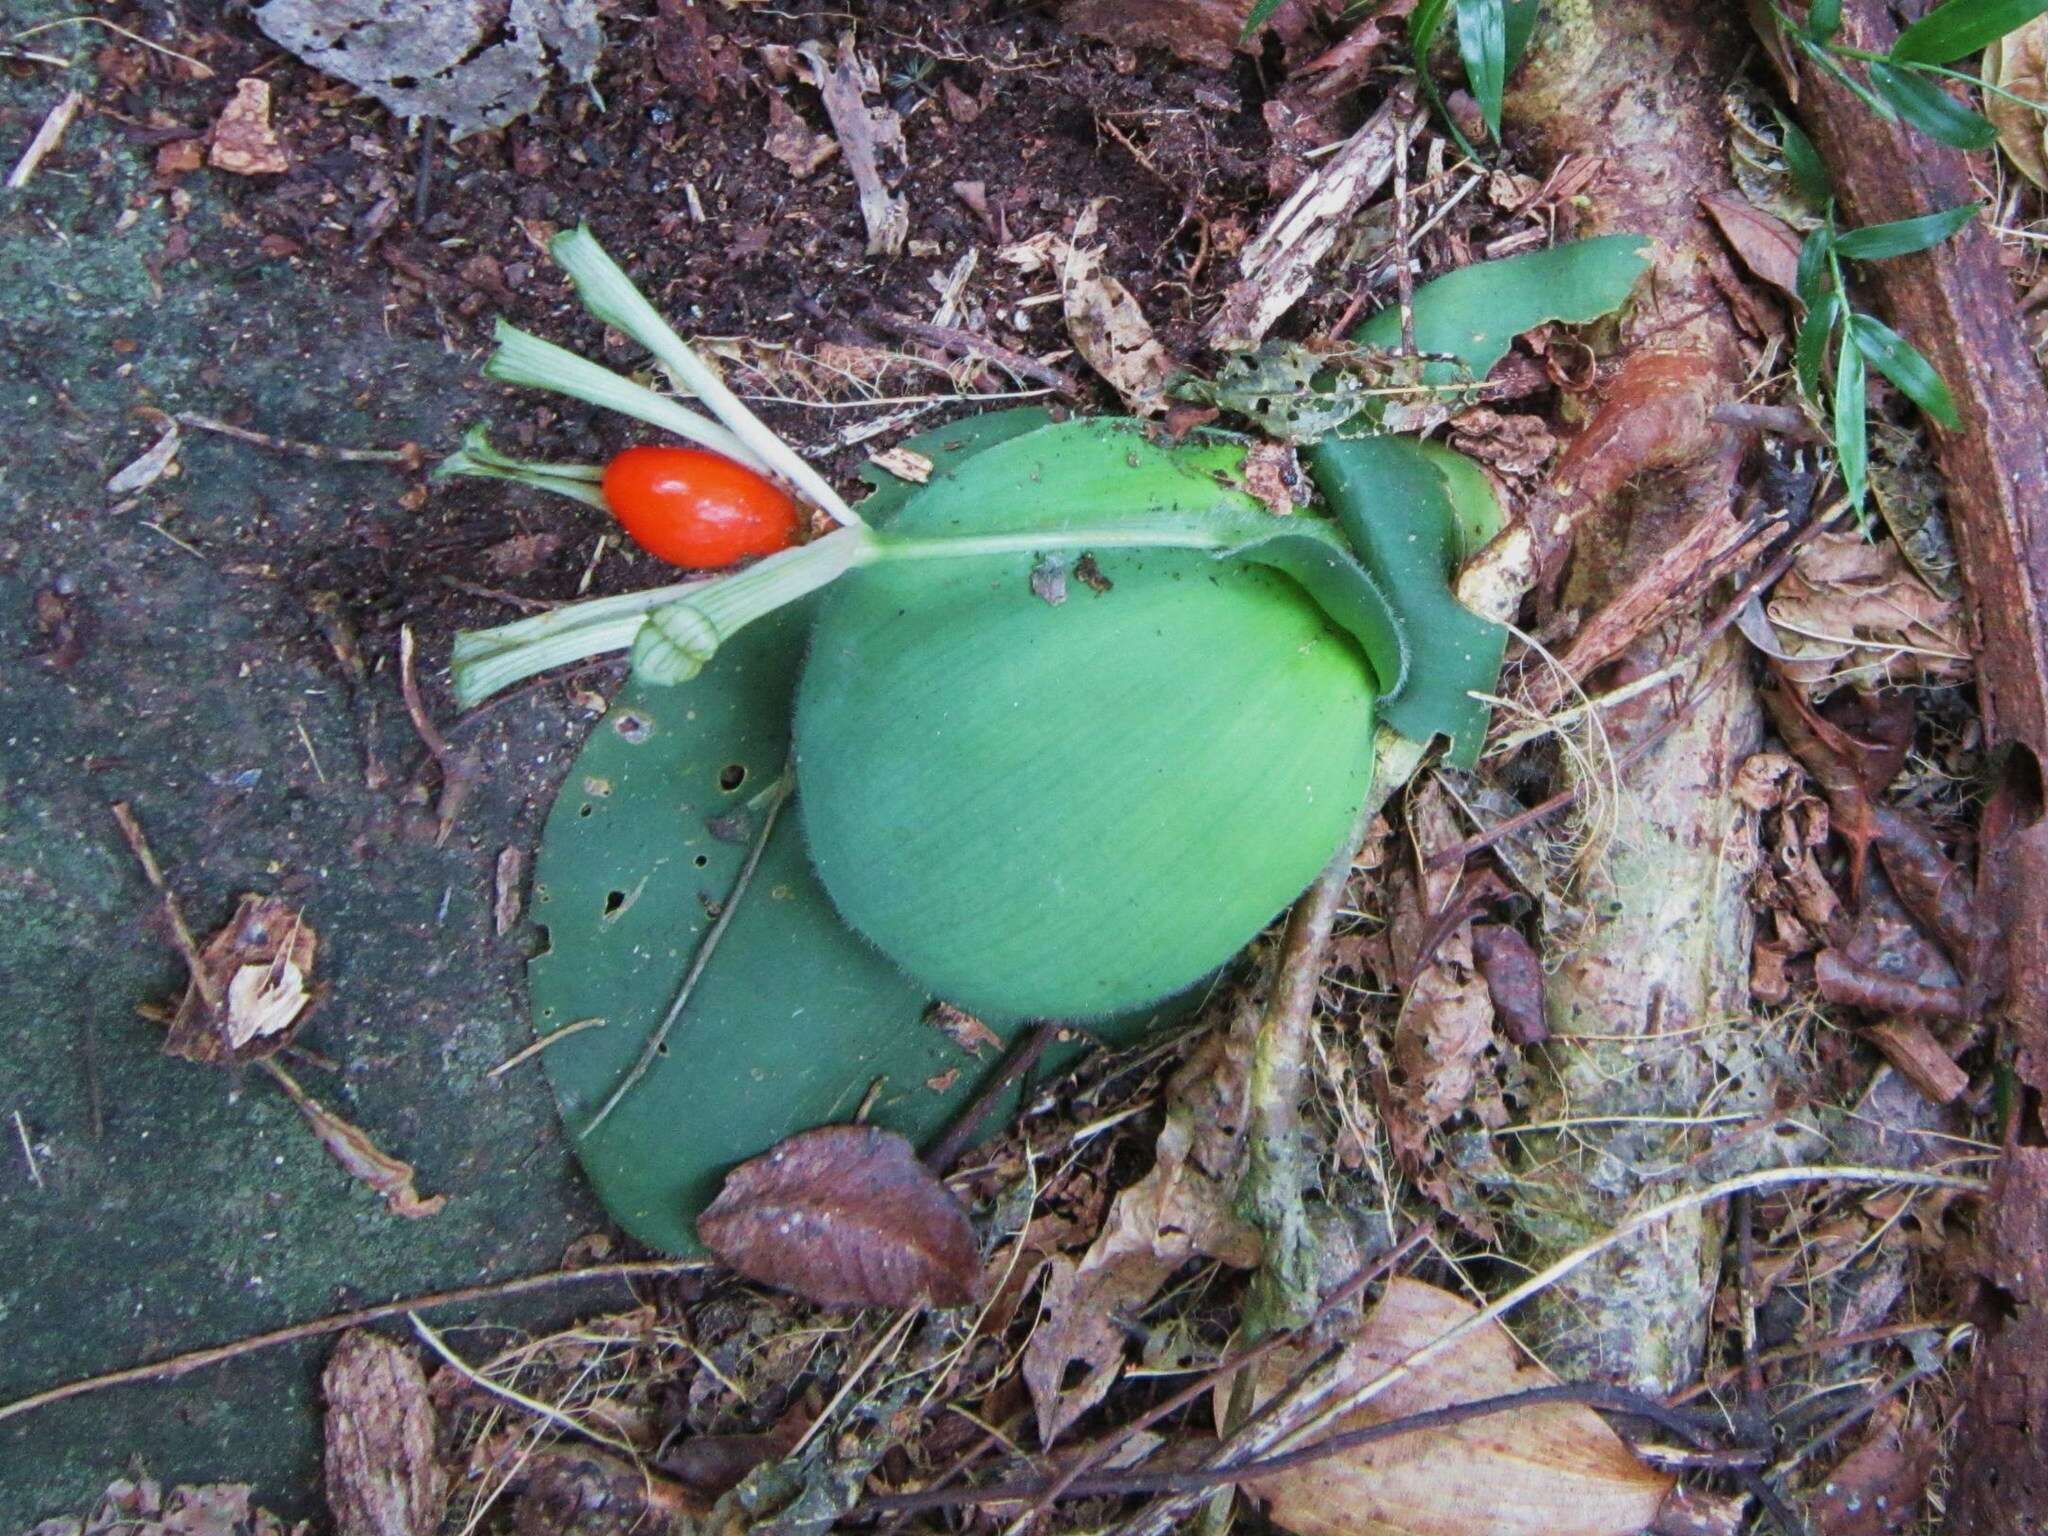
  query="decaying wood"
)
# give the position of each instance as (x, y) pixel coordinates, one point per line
(1955, 304)
(1279, 265)
(1637, 85)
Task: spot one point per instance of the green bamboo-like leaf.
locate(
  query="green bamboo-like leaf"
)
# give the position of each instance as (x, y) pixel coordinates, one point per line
(1931, 109)
(1852, 433)
(1483, 44)
(1961, 27)
(1901, 362)
(1902, 237)
(1261, 12)
(1823, 19)
(1474, 314)
(1810, 352)
(1809, 173)
(1815, 275)
(1522, 18)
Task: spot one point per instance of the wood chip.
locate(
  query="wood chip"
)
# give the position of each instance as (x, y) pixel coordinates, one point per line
(47, 138)
(383, 1476)
(244, 144)
(509, 900)
(863, 132)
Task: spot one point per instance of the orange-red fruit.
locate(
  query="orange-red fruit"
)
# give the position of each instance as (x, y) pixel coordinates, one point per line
(697, 509)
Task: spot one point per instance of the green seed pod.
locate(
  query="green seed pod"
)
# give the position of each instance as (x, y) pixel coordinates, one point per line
(1065, 810)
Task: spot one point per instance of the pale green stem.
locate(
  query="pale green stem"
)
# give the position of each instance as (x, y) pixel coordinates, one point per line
(478, 459)
(673, 631)
(609, 294)
(528, 361)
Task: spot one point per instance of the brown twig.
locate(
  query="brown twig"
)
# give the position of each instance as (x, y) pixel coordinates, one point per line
(410, 455)
(174, 1366)
(459, 770)
(1778, 1356)
(967, 1125)
(952, 339)
(181, 935)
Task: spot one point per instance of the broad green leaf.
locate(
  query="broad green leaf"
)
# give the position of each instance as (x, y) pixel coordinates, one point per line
(1810, 352)
(1474, 506)
(1474, 314)
(1932, 110)
(1063, 810)
(1902, 237)
(1522, 17)
(1804, 162)
(1815, 275)
(1483, 44)
(795, 1018)
(1852, 440)
(1901, 362)
(1961, 27)
(1394, 500)
(1823, 19)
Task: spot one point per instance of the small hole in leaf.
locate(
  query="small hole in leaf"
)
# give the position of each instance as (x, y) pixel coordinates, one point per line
(661, 1049)
(613, 901)
(587, 809)
(702, 860)
(1073, 1374)
(632, 727)
(732, 776)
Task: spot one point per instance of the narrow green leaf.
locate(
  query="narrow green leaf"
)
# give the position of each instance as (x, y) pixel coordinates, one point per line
(1932, 110)
(1261, 13)
(1522, 15)
(1852, 441)
(1804, 162)
(1473, 314)
(1823, 19)
(1901, 362)
(1424, 22)
(1830, 65)
(1814, 272)
(1810, 353)
(1962, 27)
(1483, 43)
(1902, 237)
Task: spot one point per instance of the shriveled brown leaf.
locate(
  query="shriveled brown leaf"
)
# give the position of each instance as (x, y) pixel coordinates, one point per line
(2018, 62)
(1272, 473)
(150, 467)
(574, 1491)
(1108, 328)
(244, 143)
(520, 555)
(963, 1029)
(1768, 246)
(1853, 606)
(792, 140)
(1876, 1489)
(1514, 981)
(259, 983)
(509, 893)
(141, 1506)
(1177, 1211)
(383, 1476)
(845, 1215)
(359, 1156)
(1514, 445)
(1553, 1470)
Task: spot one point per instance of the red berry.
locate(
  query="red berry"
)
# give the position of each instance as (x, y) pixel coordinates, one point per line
(697, 509)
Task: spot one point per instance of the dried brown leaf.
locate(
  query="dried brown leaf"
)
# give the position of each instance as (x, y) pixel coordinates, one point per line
(509, 893)
(1853, 606)
(845, 1215)
(383, 1477)
(1768, 246)
(520, 555)
(474, 64)
(1876, 1489)
(1175, 1213)
(1553, 1470)
(140, 1506)
(2018, 62)
(792, 141)
(1514, 980)
(258, 984)
(359, 1156)
(1108, 328)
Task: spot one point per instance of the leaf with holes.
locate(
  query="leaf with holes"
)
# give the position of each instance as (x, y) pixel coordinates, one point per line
(795, 1020)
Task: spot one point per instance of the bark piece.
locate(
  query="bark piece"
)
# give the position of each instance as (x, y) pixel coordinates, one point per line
(1279, 265)
(1909, 1046)
(864, 133)
(244, 144)
(845, 1215)
(383, 1478)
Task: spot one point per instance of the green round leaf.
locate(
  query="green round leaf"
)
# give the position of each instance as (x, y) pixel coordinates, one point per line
(1068, 810)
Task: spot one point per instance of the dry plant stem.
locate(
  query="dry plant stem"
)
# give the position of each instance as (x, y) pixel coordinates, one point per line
(458, 769)
(1637, 85)
(174, 1366)
(952, 339)
(1955, 303)
(1840, 1341)
(408, 456)
(181, 935)
(1324, 1402)
(657, 1042)
(47, 138)
(966, 1127)
(520, 1400)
